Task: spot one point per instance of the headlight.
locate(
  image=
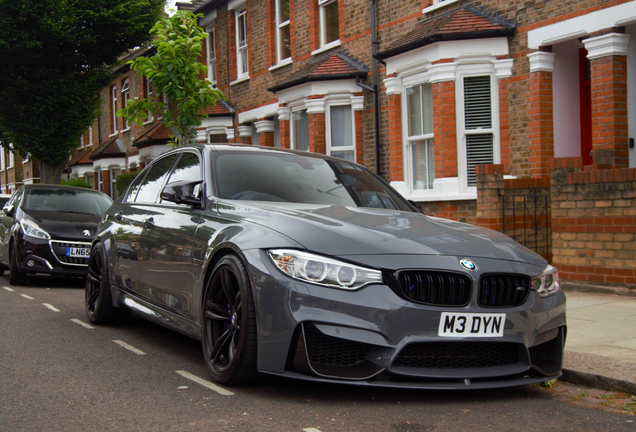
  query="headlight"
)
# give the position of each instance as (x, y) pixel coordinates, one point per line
(32, 229)
(547, 283)
(323, 271)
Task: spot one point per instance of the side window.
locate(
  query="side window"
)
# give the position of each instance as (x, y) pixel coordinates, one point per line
(155, 179)
(15, 199)
(134, 188)
(187, 168)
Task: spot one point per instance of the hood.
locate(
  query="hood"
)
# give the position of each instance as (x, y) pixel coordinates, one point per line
(348, 231)
(66, 226)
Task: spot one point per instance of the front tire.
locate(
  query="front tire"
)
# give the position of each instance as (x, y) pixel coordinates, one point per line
(98, 300)
(229, 325)
(16, 276)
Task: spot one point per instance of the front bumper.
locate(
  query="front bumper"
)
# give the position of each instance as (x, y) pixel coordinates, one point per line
(40, 256)
(373, 336)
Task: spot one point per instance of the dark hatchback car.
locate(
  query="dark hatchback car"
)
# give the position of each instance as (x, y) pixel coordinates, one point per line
(48, 229)
(306, 266)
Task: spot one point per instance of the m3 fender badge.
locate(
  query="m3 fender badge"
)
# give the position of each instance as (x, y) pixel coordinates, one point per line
(468, 264)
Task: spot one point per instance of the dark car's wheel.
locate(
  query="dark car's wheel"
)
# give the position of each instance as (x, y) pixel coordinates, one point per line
(16, 276)
(99, 306)
(229, 325)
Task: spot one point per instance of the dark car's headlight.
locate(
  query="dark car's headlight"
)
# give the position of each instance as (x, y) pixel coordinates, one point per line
(32, 229)
(321, 270)
(547, 283)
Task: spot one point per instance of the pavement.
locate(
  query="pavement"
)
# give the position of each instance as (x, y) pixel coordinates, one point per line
(600, 347)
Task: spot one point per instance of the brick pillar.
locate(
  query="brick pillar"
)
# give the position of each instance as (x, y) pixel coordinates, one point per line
(444, 125)
(106, 182)
(607, 54)
(284, 117)
(317, 138)
(394, 114)
(359, 137)
(504, 121)
(245, 134)
(265, 129)
(540, 111)
(490, 186)
(317, 127)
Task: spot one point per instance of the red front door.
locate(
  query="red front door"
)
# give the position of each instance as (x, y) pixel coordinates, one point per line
(586, 107)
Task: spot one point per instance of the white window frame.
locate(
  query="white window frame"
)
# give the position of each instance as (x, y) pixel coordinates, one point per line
(211, 46)
(409, 175)
(242, 66)
(438, 4)
(81, 141)
(280, 26)
(292, 128)
(352, 147)
(324, 45)
(113, 107)
(90, 136)
(125, 97)
(462, 132)
(149, 96)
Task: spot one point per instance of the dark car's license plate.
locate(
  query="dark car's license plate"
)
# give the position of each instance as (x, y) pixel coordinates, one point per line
(75, 252)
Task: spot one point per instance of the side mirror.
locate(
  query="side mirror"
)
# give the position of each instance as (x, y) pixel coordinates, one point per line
(9, 211)
(183, 192)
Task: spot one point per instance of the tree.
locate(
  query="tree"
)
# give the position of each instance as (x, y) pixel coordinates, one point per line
(56, 56)
(176, 72)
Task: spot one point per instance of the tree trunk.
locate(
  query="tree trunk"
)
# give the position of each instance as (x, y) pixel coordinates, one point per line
(51, 173)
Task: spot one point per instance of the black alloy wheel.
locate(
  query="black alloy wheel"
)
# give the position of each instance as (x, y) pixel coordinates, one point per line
(98, 301)
(229, 325)
(16, 276)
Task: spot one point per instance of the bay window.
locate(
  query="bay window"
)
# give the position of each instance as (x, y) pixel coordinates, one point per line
(341, 136)
(299, 130)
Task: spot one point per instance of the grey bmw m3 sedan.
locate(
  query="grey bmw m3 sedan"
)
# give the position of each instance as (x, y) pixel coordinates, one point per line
(301, 265)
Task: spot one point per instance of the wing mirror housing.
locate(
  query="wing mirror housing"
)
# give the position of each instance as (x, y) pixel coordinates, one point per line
(183, 192)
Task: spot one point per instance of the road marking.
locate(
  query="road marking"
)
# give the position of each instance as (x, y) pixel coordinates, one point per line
(129, 347)
(82, 323)
(8, 289)
(53, 308)
(204, 383)
(27, 296)
(311, 430)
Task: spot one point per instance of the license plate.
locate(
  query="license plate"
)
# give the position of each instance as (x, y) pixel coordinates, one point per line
(466, 325)
(75, 252)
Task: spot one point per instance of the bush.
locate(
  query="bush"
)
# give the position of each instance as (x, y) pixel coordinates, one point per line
(122, 181)
(79, 182)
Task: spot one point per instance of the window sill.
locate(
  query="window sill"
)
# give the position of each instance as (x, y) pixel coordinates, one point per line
(113, 134)
(240, 80)
(438, 6)
(327, 47)
(281, 64)
(446, 189)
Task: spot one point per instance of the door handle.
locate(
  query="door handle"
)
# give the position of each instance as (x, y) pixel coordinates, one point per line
(149, 223)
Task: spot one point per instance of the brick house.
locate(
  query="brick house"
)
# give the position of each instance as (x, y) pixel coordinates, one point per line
(476, 102)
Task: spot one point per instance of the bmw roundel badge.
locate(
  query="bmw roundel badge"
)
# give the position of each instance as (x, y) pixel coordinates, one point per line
(468, 264)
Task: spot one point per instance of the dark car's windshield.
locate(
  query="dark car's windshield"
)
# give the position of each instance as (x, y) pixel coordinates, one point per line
(66, 200)
(300, 179)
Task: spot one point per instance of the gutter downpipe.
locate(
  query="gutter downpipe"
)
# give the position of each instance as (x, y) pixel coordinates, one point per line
(376, 91)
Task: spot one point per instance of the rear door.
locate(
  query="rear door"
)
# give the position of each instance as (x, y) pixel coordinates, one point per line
(129, 221)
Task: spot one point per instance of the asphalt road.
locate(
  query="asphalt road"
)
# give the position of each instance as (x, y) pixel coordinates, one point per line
(57, 373)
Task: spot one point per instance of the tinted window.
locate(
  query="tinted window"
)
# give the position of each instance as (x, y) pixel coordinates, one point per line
(155, 178)
(134, 188)
(187, 168)
(301, 179)
(15, 198)
(66, 200)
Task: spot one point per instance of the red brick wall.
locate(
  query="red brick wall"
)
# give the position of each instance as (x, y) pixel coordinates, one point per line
(284, 134)
(317, 142)
(594, 223)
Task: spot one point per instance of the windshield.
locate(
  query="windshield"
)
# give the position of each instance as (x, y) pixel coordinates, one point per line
(284, 177)
(66, 200)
